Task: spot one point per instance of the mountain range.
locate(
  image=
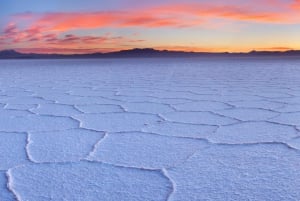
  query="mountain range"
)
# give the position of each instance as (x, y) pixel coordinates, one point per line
(140, 53)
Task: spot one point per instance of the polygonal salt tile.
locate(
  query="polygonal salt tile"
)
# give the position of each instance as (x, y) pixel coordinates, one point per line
(6, 113)
(206, 118)
(202, 106)
(295, 143)
(262, 104)
(248, 114)
(288, 118)
(147, 107)
(61, 146)
(236, 97)
(116, 122)
(132, 92)
(12, 149)
(293, 100)
(253, 132)
(180, 129)
(81, 100)
(174, 94)
(36, 123)
(94, 108)
(225, 172)
(26, 100)
(273, 95)
(16, 93)
(56, 110)
(5, 194)
(20, 106)
(133, 98)
(144, 150)
(289, 108)
(87, 181)
(95, 93)
(171, 100)
(49, 93)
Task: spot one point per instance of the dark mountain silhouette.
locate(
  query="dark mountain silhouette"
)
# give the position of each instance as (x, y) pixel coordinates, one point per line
(141, 53)
(9, 54)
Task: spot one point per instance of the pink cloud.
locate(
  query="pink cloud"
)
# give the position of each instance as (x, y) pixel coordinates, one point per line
(296, 5)
(170, 15)
(50, 29)
(61, 50)
(10, 29)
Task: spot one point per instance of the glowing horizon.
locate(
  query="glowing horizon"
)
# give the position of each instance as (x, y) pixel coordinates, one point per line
(101, 26)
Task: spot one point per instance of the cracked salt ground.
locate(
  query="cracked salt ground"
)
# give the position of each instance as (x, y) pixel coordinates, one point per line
(180, 129)
(158, 152)
(249, 114)
(116, 122)
(289, 108)
(25, 107)
(87, 181)
(294, 143)
(95, 108)
(253, 132)
(268, 105)
(163, 129)
(202, 106)
(267, 172)
(12, 150)
(60, 146)
(147, 107)
(288, 118)
(55, 110)
(36, 123)
(207, 118)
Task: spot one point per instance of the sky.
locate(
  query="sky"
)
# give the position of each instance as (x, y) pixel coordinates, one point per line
(77, 26)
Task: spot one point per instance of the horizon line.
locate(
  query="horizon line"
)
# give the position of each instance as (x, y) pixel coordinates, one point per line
(17, 50)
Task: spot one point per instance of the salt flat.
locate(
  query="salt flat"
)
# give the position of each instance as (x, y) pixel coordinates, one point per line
(150, 129)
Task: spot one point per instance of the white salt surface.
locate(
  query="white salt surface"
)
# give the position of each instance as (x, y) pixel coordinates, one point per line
(150, 129)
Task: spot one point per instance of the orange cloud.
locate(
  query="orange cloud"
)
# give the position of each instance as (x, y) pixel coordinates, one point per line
(173, 15)
(233, 12)
(56, 42)
(296, 5)
(89, 20)
(274, 49)
(50, 29)
(62, 50)
(187, 48)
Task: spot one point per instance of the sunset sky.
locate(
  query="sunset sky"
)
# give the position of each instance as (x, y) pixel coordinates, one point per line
(77, 26)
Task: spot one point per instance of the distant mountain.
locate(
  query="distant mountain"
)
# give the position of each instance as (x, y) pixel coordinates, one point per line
(275, 53)
(140, 53)
(9, 54)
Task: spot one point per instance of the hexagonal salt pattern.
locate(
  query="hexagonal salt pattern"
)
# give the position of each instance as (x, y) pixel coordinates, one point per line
(150, 129)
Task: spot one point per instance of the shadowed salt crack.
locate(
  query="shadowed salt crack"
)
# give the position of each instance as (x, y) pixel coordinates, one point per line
(10, 187)
(173, 183)
(76, 106)
(28, 142)
(95, 147)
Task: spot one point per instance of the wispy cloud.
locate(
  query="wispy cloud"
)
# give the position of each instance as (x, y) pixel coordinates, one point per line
(52, 29)
(171, 15)
(62, 50)
(296, 5)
